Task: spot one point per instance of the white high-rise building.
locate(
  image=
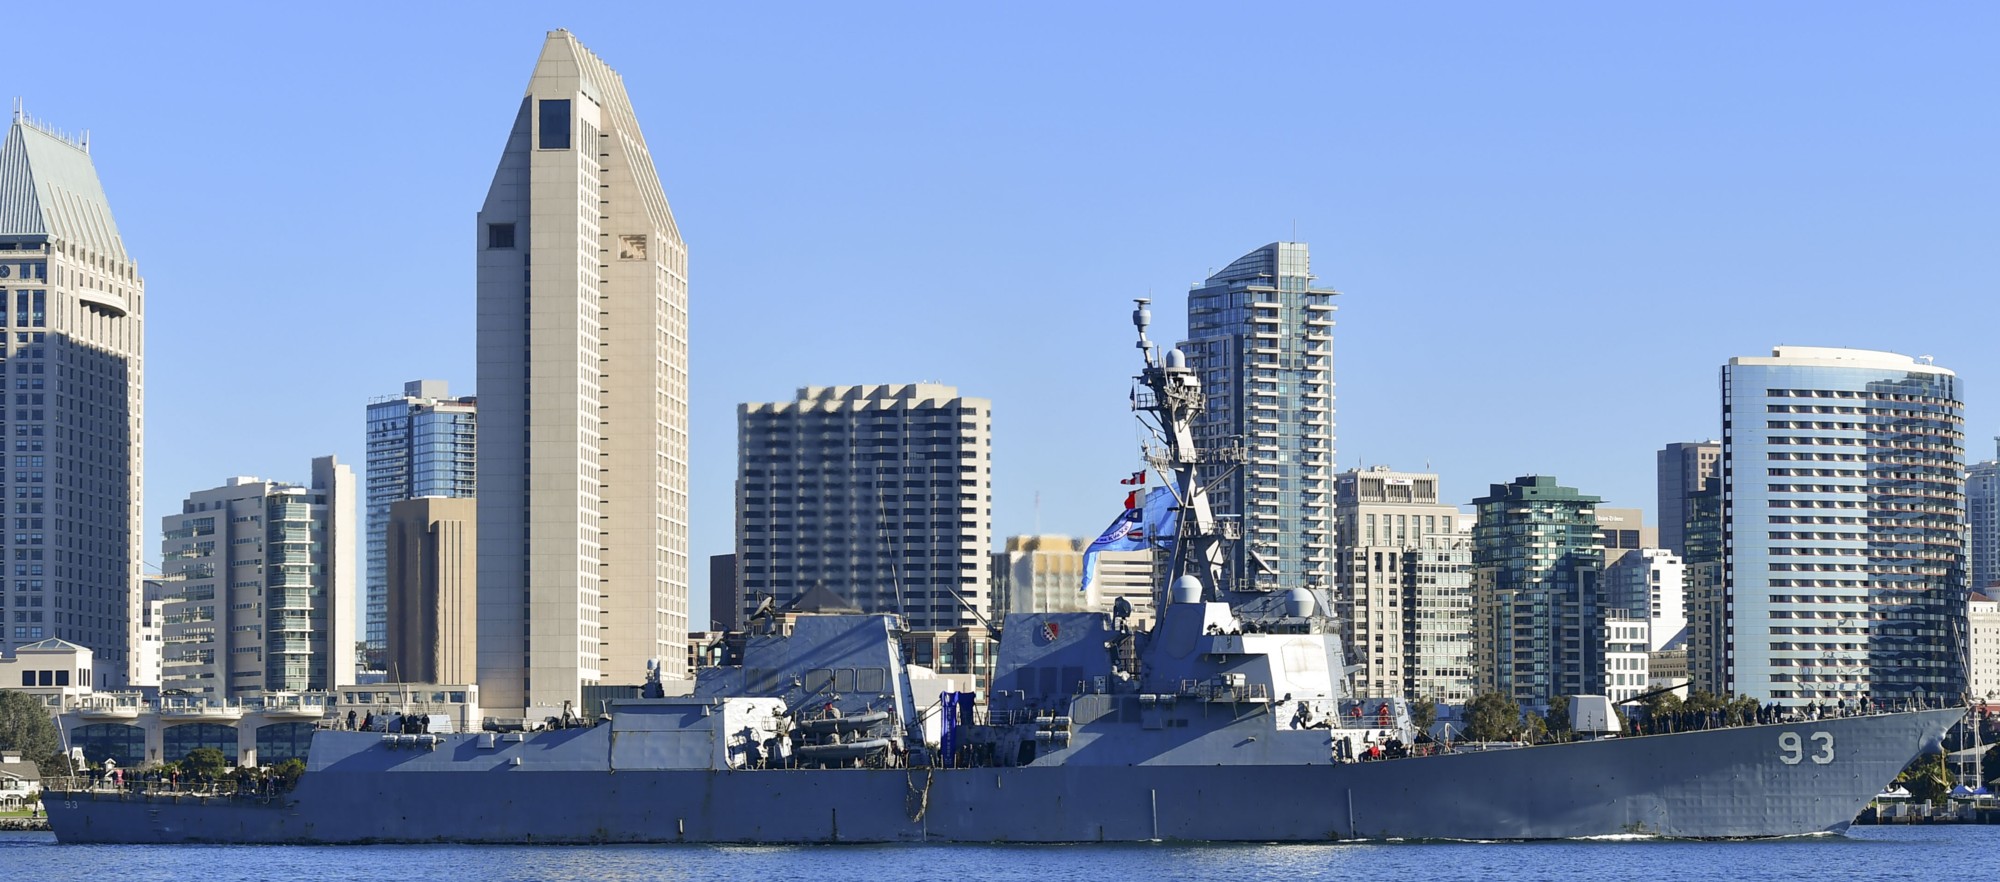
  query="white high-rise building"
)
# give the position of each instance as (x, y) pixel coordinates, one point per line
(1260, 335)
(583, 472)
(1649, 584)
(1843, 488)
(260, 586)
(72, 334)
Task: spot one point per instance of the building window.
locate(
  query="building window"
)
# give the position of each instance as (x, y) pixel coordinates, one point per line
(555, 124)
(499, 235)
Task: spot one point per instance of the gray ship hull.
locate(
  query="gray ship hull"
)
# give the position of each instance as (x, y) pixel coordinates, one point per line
(1754, 781)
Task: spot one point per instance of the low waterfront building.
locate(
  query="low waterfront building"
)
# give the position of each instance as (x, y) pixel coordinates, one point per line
(20, 781)
(51, 670)
(135, 731)
(1668, 666)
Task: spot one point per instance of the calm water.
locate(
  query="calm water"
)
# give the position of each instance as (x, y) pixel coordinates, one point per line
(1867, 853)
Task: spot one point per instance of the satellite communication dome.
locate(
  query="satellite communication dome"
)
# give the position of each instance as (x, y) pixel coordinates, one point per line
(1187, 589)
(1299, 603)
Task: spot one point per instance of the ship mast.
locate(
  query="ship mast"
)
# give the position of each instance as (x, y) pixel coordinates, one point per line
(1170, 394)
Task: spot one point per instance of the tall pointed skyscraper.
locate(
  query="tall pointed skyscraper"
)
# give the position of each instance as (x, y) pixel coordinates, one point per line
(583, 536)
(71, 342)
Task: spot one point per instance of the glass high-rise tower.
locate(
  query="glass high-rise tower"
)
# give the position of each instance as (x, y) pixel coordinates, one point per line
(72, 333)
(1537, 556)
(583, 398)
(1261, 337)
(1843, 481)
(1982, 521)
(420, 443)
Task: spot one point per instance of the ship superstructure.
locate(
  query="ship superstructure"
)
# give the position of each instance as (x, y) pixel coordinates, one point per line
(1226, 720)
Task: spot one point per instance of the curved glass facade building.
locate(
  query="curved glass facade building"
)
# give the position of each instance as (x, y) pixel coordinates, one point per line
(1843, 512)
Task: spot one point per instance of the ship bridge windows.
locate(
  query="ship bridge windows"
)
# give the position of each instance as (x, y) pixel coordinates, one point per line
(839, 681)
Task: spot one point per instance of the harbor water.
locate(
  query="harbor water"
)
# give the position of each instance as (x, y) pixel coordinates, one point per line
(1900, 853)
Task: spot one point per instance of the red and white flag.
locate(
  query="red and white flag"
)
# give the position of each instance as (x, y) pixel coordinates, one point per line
(1138, 477)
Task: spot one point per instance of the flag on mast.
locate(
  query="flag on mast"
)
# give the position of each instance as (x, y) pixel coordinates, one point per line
(1134, 529)
(1138, 477)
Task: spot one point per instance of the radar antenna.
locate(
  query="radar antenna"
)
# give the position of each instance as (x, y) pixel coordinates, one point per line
(1169, 392)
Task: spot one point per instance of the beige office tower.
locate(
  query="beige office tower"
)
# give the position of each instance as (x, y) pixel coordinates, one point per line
(432, 560)
(1622, 531)
(262, 586)
(583, 533)
(1403, 585)
(1038, 574)
(72, 335)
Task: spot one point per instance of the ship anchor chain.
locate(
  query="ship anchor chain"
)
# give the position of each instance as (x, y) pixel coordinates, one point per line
(920, 799)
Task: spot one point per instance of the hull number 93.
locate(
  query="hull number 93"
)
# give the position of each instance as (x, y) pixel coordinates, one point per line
(1792, 749)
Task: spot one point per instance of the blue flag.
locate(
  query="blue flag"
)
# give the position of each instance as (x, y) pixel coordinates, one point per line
(1133, 530)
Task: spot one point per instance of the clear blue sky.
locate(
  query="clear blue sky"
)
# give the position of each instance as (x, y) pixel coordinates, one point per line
(1552, 222)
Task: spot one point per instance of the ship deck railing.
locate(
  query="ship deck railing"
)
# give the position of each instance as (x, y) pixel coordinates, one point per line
(227, 789)
(1223, 693)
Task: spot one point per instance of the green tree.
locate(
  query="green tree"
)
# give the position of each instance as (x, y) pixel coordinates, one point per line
(1927, 778)
(25, 728)
(1557, 719)
(1700, 701)
(287, 773)
(1537, 728)
(1663, 703)
(1492, 717)
(206, 762)
(1424, 713)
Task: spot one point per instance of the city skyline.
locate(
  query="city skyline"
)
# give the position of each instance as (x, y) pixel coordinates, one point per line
(1793, 195)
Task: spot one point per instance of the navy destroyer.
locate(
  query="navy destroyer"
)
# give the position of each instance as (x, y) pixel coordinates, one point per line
(1225, 720)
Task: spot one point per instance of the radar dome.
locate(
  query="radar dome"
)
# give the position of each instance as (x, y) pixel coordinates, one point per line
(1299, 603)
(1187, 589)
(1176, 358)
